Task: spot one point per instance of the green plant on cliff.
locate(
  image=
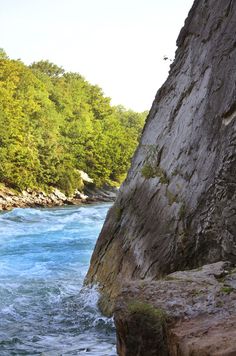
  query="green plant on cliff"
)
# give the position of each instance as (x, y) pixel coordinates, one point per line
(149, 171)
(155, 316)
(163, 177)
(118, 213)
(55, 123)
(149, 323)
(182, 211)
(172, 198)
(227, 289)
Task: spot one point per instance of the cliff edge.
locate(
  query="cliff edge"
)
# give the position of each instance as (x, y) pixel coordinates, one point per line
(176, 209)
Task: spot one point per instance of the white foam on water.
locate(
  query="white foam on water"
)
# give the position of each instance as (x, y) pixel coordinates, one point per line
(44, 256)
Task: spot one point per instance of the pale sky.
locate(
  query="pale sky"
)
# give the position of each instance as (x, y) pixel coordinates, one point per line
(117, 44)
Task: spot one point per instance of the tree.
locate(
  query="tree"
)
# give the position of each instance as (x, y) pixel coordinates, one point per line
(51, 69)
(3, 54)
(54, 124)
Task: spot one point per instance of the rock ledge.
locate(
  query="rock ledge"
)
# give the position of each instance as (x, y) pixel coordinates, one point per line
(186, 313)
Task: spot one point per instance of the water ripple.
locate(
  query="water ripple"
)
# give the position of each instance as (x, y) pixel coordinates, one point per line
(44, 256)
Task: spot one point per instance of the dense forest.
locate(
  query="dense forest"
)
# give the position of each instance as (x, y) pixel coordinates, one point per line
(54, 123)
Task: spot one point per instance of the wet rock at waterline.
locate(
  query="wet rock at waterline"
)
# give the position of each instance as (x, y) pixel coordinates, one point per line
(176, 209)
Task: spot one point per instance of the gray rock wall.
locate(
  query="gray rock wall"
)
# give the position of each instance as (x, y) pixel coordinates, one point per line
(176, 208)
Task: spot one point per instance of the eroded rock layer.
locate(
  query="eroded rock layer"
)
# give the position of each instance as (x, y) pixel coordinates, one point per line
(176, 209)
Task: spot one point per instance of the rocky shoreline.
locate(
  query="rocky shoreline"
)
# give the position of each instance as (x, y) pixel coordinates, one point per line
(29, 198)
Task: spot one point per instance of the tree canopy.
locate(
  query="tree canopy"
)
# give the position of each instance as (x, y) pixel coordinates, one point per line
(54, 123)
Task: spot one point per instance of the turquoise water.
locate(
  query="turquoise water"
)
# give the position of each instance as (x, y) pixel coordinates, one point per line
(44, 256)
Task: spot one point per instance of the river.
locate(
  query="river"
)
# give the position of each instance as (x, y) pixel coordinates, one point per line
(44, 256)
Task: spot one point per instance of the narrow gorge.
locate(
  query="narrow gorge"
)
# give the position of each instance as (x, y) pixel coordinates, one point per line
(176, 209)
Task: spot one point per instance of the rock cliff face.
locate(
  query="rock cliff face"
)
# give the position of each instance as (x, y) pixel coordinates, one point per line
(176, 209)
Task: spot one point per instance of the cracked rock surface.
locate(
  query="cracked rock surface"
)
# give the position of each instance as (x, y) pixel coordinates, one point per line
(176, 209)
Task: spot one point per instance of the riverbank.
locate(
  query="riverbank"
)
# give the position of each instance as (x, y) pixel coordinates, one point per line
(29, 198)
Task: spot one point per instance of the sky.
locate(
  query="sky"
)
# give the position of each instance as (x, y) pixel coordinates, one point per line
(116, 44)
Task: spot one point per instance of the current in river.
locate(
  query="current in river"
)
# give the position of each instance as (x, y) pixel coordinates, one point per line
(44, 256)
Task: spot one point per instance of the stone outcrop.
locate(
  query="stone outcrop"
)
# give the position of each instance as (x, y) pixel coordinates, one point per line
(186, 313)
(104, 194)
(176, 209)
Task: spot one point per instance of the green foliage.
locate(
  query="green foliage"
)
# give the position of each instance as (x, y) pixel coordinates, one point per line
(227, 289)
(149, 171)
(155, 316)
(55, 123)
(50, 69)
(163, 177)
(118, 213)
(172, 198)
(3, 54)
(182, 211)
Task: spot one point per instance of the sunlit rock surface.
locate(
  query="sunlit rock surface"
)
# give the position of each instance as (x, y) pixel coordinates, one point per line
(176, 209)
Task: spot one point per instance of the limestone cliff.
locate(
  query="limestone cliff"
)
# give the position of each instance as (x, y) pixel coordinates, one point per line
(176, 209)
